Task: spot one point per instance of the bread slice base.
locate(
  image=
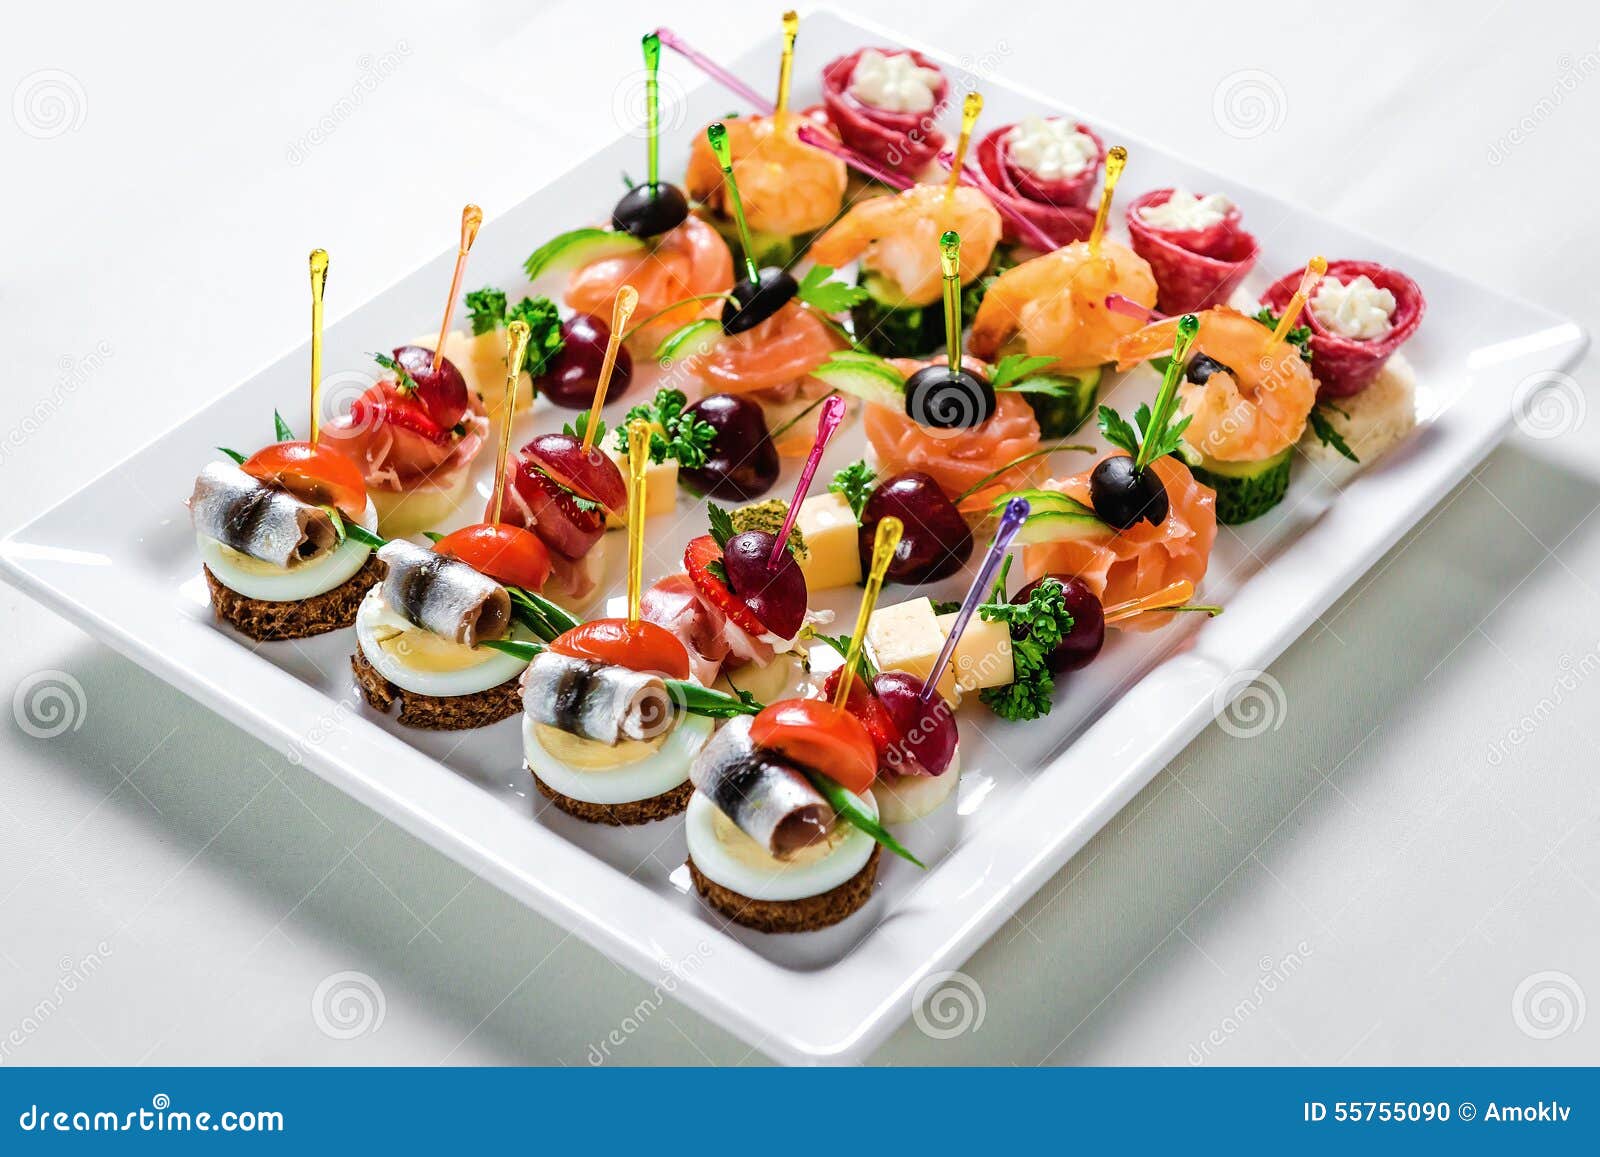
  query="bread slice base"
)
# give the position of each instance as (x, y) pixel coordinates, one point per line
(301, 619)
(639, 811)
(438, 712)
(805, 915)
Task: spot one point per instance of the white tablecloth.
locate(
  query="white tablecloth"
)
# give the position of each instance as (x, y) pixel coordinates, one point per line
(1407, 870)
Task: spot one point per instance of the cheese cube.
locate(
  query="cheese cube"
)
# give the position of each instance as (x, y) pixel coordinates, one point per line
(906, 637)
(829, 528)
(660, 489)
(983, 656)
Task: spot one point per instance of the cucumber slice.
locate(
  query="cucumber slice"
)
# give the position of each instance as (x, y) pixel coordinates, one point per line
(692, 340)
(579, 247)
(863, 376)
(780, 249)
(1043, 502)
(1061, 402)
(886, 325)
(1245, 490)
(1061, 526)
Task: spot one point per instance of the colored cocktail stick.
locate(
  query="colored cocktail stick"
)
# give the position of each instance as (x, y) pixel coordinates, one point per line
(652, 99)
(1036, 237)
(950, 267)
(1116, 158)
(827, 423)
(627, 301)
(817, 138)
(471, 219)
(638, 459)
(971, 107)
(717, 134)
(1016, 513)
(1128, 307)
(714, 70)
(1167, 395)
(516, 352)
(1315, 268)
(319, 280)
(884, 544)
(791, 28)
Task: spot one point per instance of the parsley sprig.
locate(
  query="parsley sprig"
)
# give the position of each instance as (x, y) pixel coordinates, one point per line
(488, 309)
(826, 296)
(1014, 368)
(1036, 627)
(674, 432)
(1299, 336)
(855, 484)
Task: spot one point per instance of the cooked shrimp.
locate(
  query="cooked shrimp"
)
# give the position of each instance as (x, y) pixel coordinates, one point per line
(1255, 406)
(957, 459)
(788, 186)
(1055, 305)
(899, 237)
(689, 261)
(1133, 563)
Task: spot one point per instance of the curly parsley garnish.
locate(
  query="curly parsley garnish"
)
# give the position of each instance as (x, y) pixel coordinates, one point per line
(855, 483)
(1036, 626)
(674, 432)
(488, 310)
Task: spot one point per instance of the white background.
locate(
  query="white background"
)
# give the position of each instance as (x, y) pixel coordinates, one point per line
(1404, 856)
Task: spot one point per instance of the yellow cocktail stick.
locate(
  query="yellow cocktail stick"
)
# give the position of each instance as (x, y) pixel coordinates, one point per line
(638, 459)
(791, 28)
(884, 544)
(516, 351)
(971, 107)
(319, 279)
(1116, 158)
(1315, 268)
(627, 301)
(471, 219)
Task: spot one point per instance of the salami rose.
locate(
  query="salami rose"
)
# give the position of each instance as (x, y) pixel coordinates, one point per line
(1059, 207)
(1342, 365)
(1194, 268)
(903, 142)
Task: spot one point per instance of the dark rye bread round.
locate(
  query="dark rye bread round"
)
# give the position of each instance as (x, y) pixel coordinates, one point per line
(438, 712)
(805, 915)
(641, 811)
(330, 611)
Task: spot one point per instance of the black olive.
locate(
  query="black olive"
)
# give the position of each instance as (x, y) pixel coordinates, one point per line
(753, 303)
(1201, 368)
(647, 211)
(944, 400)
(1123, 495)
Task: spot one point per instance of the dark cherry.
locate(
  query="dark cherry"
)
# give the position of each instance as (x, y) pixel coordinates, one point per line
(778, 596)
(1079, 646)
(936, 540)
(928, 730)
(1123, 495)
(742, 463)
(442, 394)
(571, 376)
(754, 302)
(948, 401)
(1201, 368)
(647, 210)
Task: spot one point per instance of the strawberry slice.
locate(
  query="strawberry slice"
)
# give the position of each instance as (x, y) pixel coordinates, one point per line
(697, 559)
(868, 710)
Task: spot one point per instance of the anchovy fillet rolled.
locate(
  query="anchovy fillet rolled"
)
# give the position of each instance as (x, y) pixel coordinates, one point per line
(766, 798)
(258, 520)
(444, 595)
(599, 701)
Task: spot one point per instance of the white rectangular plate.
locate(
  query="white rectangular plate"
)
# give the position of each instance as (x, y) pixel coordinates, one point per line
(118, 558)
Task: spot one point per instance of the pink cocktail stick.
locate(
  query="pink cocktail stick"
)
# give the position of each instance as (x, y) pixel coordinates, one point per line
(827, 423)
(817, 139)
(715, 71)
(1128, 307)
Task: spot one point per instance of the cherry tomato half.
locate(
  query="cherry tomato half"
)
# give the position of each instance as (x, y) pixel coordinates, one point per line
(814, 735)
(312, 473)
(505, 553)
(641, 646)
